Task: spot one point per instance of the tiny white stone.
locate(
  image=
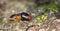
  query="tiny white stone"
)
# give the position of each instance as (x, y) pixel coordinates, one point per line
(13, 11)
(33, 14)
(58, 20)
(20, 30)
(41, 30)
(53, 29)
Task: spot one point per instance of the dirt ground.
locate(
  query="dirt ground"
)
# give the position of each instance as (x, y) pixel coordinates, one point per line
(9, 7)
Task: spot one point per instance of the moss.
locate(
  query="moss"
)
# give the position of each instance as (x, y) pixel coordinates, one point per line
(0, 21)
(42, 18)
(49, 6)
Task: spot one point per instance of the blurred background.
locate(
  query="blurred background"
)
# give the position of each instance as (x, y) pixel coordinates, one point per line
(45, 13)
